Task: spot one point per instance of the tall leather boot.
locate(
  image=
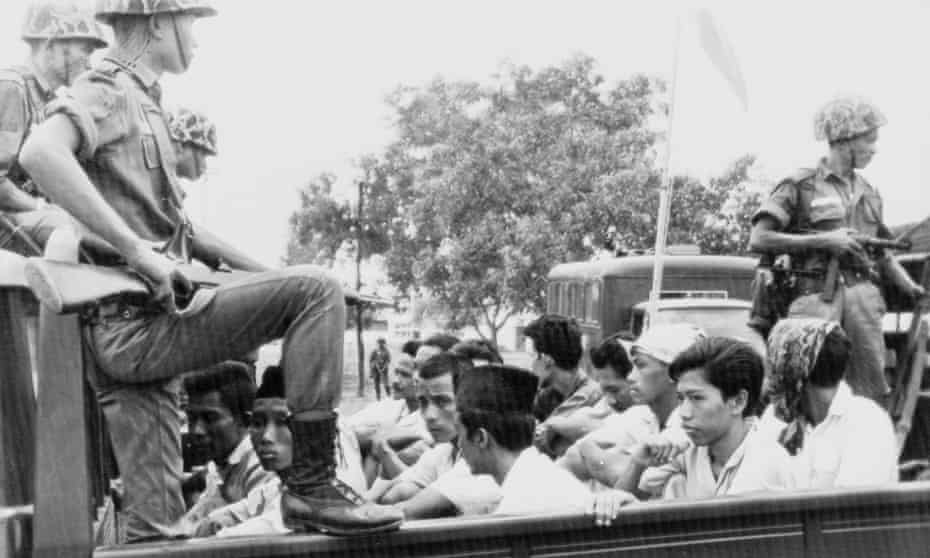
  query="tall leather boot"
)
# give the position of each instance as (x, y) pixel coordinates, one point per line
(314, 499)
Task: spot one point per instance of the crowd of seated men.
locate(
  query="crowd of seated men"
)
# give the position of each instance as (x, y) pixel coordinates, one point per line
(679, 415)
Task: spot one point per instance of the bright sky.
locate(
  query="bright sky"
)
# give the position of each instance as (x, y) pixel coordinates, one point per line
(296, 88)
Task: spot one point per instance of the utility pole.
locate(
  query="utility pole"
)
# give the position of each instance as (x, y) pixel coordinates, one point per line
(359, 237)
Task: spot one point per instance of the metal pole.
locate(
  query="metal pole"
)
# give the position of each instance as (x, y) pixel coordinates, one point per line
(358, 289)
(665, 195)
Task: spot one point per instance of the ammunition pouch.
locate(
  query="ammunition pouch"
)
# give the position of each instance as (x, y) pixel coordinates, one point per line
(772, 292)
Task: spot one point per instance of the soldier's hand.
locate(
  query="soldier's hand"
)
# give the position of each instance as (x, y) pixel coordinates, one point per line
(169, 286)
(843, 241)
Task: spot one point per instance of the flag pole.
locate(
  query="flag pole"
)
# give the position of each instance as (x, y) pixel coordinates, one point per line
(665, 194)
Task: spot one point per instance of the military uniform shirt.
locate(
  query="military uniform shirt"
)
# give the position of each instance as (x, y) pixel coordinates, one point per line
(125, 146)
(23, 98)
(833, 203)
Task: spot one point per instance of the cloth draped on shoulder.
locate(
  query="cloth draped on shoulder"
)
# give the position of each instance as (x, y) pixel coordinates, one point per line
(794, 346)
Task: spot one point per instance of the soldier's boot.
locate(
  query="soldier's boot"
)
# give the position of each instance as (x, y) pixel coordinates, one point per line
(314, 499)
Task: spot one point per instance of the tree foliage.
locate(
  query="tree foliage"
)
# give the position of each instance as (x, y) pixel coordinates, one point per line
(488, 185)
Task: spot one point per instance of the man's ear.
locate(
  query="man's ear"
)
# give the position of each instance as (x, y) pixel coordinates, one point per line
(482, 438)
(738, 402)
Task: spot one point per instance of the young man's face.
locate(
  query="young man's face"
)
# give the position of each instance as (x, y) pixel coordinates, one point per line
(649, 378)
(705, 415)
(405, 386)
(437, 405)
(212, 426)
(616, 389)
(271, 434)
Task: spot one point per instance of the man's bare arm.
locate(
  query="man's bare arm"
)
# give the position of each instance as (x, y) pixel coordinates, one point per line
(209, 248)
(766, 237)
(427, 503)
(49, 158)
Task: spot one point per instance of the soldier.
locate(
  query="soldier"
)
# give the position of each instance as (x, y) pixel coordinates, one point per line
(194, 140)
(61, 36)
(815, 215)
(104, 153)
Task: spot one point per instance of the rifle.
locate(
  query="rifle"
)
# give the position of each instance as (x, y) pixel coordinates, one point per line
(67, 287)
(867, 242)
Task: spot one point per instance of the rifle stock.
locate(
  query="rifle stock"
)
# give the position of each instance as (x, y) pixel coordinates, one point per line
(67, 287)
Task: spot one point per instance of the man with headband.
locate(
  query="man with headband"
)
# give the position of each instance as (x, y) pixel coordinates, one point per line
(836, 438)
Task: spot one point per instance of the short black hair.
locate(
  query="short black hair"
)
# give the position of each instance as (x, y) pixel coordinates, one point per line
(831, 363)
(442, 341)
(728, 364)
(556, 336)
(272, 383)
(411, 347)
(512, 431)
(478, 349)
(445, 363)
(611, 352)
(232, 380)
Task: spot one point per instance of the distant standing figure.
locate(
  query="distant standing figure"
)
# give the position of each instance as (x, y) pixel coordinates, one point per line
(379, 363)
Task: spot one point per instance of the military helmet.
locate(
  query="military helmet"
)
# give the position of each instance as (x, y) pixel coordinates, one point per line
(193, 128)
(108, 9)
(847, 117)
(61, 19)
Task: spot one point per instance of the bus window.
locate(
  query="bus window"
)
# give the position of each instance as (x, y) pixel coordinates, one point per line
(552, 298)
(595, 303)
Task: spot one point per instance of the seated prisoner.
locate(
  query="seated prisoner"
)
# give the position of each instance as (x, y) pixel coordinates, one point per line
(564, 389)
(220, 399)
(602, 457)
(612, 367)
(836, 438)
(719, 384)
(259, 512)
(495, 424)
(440, 482)
(392, 433)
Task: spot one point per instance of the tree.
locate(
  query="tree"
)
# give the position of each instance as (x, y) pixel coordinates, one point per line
(489, 185)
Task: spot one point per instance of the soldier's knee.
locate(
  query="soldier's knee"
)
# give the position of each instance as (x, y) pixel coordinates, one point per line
(317, 282)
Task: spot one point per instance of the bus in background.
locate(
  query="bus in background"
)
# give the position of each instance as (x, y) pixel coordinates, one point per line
(606, 296)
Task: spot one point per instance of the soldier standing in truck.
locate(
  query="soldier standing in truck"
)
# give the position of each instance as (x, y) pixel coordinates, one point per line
(815, 217)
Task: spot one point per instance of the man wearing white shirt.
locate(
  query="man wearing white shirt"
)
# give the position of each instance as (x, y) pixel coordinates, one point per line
(495, 428)
(719, 381)
(602, 457)
(836, 438)
(440, 482)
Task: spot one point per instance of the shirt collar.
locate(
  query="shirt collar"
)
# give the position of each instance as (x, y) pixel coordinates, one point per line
(740, 452)
(40, 79)
(824, 172)
(240, 452)
(841, 400)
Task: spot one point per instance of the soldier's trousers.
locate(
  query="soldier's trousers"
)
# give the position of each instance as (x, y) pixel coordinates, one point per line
(859, 309)
(140, 359)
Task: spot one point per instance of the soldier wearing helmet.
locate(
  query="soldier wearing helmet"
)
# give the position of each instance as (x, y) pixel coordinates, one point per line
(194, 139)
(814, 217)
(105, 154)
(61, 35)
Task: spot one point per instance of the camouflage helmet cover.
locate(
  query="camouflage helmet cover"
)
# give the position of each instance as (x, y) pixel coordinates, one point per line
(193, 128)
(847, 117)
(61, 19)
(107, 9)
